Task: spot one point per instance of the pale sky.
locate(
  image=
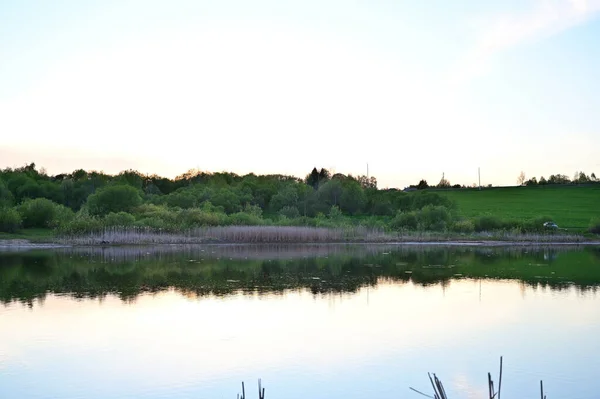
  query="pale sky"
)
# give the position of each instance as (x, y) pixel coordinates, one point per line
(413, 88)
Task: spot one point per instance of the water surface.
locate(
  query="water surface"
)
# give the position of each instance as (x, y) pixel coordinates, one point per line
(311, 321)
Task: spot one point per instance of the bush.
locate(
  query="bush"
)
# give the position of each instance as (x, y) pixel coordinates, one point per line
(422, 199)
(63, 215)
(196, 217)
(535, 225)
(595, 226)
(146, 211)
(335, 213)
(433, 218)
(488, 223)
(404, 220)
(82, 223)
(156, 223)
(121, 219)
(244, 219)
(6, 197)
(463, 226)
(183, 200)
(42, 212)
(10, 220)
(118, 198)
(290, 212)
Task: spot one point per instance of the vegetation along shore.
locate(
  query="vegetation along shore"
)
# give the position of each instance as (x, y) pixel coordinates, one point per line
(199, 207)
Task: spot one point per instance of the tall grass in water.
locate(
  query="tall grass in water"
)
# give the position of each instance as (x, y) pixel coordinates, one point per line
(438, 388)
(294, 234)
(230, 234)
(440, 393)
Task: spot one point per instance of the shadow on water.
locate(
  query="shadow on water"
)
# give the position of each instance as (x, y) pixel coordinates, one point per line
(260, 269)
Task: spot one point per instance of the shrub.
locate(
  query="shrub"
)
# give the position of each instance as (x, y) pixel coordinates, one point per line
(335, 213)
(10, 220)
(82, 223)
(536, 224)
(463, 226)
(290, 212)
(404, 220)
(244, 219)
(121, 219)
(183, 200)
(488, 223)
(196, 217)
(6, 197)
(595, 226)
(146, 211)
(62, 216)
(117, 198)
(42, 212)
(422, 199)
(155, 223)
(433, 217)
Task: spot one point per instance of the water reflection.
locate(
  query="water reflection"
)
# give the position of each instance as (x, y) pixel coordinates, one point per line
(225, 270)
(311, 321)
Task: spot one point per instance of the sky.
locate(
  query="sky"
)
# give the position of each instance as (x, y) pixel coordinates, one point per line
(414, 89)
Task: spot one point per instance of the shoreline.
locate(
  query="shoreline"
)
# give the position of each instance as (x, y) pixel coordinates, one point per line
(24, 244)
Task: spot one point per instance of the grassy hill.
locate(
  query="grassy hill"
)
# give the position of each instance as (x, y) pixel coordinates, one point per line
(570, 207)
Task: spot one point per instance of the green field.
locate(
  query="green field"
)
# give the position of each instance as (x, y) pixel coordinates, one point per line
(570, 207)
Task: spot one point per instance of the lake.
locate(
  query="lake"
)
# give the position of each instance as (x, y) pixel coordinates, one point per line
(312, 321)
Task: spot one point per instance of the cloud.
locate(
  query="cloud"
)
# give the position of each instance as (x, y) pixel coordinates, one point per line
(501, 32)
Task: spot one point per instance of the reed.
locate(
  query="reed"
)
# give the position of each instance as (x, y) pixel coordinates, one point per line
(296, 234)
(440, 393)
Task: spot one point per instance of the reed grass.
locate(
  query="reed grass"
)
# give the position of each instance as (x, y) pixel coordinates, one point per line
(297, 234)
(439, 392)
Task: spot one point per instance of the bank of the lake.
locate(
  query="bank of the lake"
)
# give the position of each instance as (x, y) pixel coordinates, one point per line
(288, 234)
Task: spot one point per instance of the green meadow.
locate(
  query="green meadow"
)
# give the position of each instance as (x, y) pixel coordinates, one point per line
(570, 207)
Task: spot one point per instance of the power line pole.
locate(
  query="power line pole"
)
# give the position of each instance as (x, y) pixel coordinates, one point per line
(479, 175)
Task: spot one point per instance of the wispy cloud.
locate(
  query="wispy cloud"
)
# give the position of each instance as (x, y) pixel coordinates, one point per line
(542, 19)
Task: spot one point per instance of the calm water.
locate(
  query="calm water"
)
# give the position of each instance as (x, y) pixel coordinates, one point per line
(311, 321)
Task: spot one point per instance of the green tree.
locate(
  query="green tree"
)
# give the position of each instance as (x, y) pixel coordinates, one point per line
(41, 212)
(6, 197)
(117, 198)
(10, 220)
(286, 197)
(313, 179)
(353, 198)
(422, 185)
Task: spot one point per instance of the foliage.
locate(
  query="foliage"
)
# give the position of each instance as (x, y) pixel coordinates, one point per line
(116, 198)
(444, 183)
(463, 226)
(42, 212)
(434, 218)
(122, 219)
(10, 220)
(404, 220)
(594, 226)
(289, 212)
(197, 199)
(488, 223)
(6, 196)
(422, 185)
(82, 223)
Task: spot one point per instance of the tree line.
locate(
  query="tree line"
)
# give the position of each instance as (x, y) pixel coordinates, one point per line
(87, 200)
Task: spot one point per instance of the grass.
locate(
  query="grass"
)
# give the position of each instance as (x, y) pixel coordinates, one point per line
(295, 234)
(32, 234)
(571, 207)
